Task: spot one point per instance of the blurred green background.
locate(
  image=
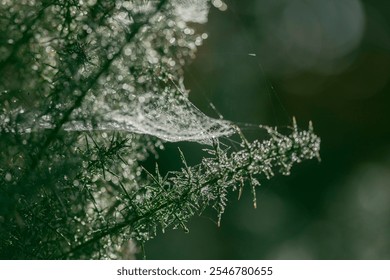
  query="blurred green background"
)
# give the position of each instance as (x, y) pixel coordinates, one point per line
(322, 60)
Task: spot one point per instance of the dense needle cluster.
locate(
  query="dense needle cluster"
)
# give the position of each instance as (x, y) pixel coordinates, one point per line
(89, 89)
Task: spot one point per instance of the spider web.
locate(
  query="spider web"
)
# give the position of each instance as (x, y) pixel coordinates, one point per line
(170, 118)
(168, 115)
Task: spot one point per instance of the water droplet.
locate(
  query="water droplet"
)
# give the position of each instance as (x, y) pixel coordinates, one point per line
(8, 177)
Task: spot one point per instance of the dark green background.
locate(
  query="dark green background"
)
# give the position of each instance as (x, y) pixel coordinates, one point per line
(323, 60)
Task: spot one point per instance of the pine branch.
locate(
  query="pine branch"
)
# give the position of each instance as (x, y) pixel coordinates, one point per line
(172, 200)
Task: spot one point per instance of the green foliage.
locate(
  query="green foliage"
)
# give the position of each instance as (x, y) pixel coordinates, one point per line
(88, 89)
